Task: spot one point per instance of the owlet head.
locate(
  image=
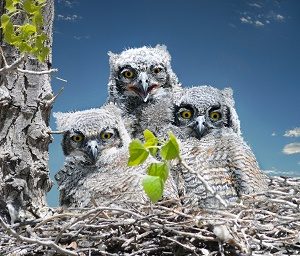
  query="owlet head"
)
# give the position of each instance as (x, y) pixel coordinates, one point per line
(90, 133)
(140, 73)
(201, 109)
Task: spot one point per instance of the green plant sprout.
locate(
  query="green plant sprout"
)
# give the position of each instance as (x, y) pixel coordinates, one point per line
(157, 173)
(28, 38)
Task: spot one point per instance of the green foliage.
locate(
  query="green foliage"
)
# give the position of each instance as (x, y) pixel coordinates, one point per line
(29, 37)
(154, 187)
(170, 150)
(158, 172)
(138, 153)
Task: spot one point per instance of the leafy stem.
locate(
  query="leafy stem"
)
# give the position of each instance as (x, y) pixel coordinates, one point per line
(158, 172)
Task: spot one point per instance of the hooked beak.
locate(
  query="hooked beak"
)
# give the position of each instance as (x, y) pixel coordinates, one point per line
(92, 149)
(143, 88)
(200, 126)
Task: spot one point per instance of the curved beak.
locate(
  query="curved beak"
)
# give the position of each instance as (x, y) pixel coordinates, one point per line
(200, 126)
(143, 86)
(92, 150)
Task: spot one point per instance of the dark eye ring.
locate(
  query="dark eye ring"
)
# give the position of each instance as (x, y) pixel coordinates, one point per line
(106, 135)
(77, 138)
(215, 116)
(157, 70)
(186, 114)
(128, 74)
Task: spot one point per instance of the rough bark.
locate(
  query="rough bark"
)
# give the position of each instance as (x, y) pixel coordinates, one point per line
(25, 105)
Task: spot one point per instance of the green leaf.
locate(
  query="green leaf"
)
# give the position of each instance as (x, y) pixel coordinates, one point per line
(30, 7)
(37, 19)
(10, 6)
(40, 2)
(153, 187)
(170, 150)
(24, 47)
(137, 153)
(4, 21)
(159, 169)
(9, 34)
(151, 142)
(27, 30)
(43, 54)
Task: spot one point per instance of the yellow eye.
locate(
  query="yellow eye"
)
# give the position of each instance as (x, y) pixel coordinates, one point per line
(157, 70)
(186, 114)
(215, 116)
(77, 138)
(106, 135)
(128, 74)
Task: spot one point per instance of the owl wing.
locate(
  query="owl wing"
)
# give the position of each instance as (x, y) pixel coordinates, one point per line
(245, 170)
(209, 162)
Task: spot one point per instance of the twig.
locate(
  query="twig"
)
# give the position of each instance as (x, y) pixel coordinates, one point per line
(35, 241)
(32, 72)
(182, 245)
(55, 132)
(204, 182)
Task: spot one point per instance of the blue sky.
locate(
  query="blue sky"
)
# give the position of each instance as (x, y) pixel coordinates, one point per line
(251, 46)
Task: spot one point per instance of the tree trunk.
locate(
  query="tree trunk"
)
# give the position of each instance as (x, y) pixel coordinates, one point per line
(25, 106)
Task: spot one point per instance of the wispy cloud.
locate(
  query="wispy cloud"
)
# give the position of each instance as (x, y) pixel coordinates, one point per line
(70, 18)
(86, 37)
(255, 5)
(261, 14)
(293, 133)
(279, 17)
(67, 3)
(273, 134)
(292, 148)
(259, 23)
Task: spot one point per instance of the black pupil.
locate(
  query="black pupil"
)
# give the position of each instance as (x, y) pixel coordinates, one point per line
(106, 136)
(77, 138)
(157, 70)
(215, 116)
(128, 73)
(186, 114)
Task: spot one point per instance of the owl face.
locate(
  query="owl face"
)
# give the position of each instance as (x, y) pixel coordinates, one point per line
(91, 145)
(200, 122)
(92, 133)
(139, 74)
(201, 110)
(140, 80)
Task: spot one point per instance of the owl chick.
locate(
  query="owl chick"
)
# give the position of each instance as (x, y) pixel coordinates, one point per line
(95, 144)
(214, 147)
(139, 75)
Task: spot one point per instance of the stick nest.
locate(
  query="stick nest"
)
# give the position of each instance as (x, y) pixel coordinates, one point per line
(262, 224)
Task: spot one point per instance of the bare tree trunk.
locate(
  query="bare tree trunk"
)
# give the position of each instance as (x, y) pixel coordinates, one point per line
(25, 105)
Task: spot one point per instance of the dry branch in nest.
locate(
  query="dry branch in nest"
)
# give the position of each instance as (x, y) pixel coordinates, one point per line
(266, 224)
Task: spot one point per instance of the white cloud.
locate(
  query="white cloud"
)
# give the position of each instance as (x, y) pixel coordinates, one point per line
(293, 133)
(259, 23)
(273, 134)
(67, 3)
(73, 17)
(82, 37)
(246, 20)
(292, 148)
(255, 5)
(279, 17)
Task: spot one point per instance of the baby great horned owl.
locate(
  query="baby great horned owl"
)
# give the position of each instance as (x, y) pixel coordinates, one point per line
(95, 143)
(139, 75)
(214, 147)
